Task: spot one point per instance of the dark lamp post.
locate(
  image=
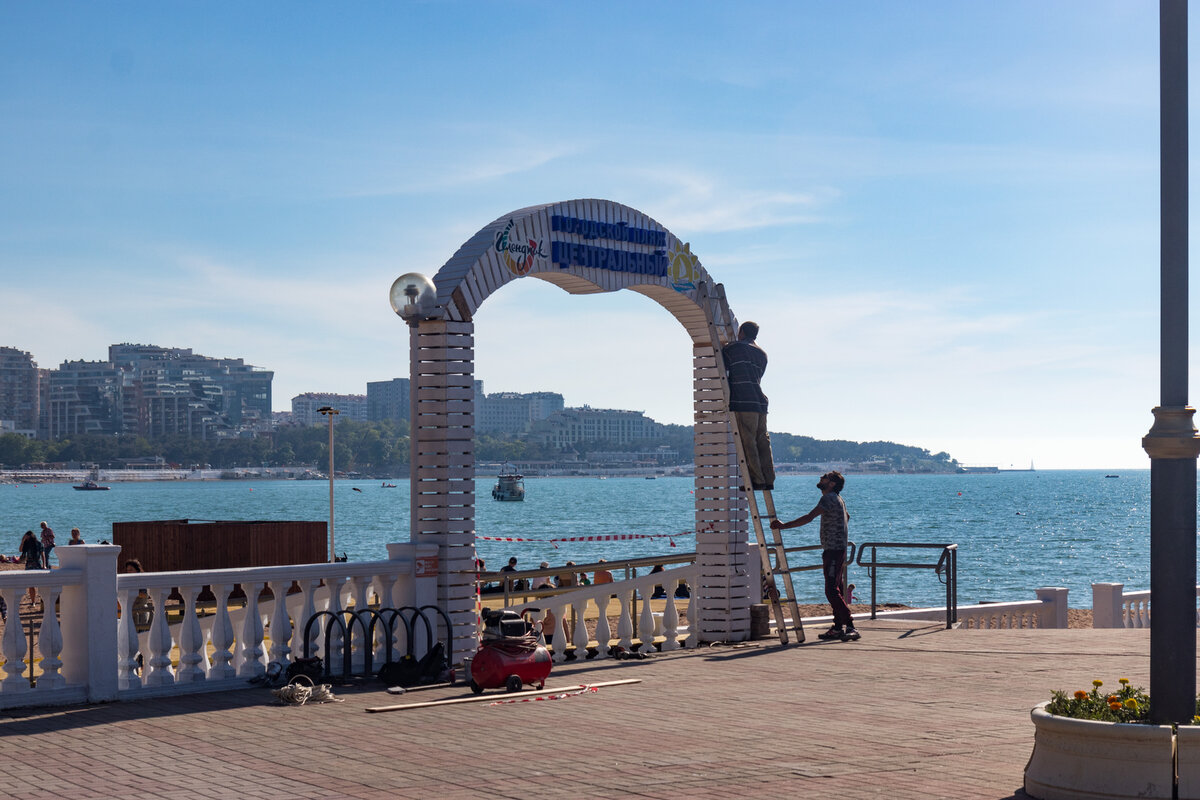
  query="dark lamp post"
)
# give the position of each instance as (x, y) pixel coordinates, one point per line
(1172, 443)
(330, 413)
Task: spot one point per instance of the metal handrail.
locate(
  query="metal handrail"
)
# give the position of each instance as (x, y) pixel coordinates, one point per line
(946, 570)
(801, 548)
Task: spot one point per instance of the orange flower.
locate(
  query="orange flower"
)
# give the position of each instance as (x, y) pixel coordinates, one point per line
(1080, 694)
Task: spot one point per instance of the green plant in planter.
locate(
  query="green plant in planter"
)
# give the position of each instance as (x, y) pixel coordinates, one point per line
(1127, 704)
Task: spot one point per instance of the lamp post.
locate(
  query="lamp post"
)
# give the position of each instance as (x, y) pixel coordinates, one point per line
(330, 413)
(414, 298)
(1172, 443)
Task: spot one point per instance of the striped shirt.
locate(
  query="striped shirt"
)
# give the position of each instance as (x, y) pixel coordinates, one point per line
(745, 363)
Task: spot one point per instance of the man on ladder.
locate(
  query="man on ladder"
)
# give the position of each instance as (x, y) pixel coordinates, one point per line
(744, 407)
(745, 363)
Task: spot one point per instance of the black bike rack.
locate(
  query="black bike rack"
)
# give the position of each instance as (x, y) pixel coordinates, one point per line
(346, 621)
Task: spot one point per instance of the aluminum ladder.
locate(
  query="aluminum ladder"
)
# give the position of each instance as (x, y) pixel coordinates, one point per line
(716, 308)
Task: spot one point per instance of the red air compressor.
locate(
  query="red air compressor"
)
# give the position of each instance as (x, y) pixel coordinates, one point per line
(510, 654)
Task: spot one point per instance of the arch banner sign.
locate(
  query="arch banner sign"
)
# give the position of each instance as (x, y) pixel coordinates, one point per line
(583, 247)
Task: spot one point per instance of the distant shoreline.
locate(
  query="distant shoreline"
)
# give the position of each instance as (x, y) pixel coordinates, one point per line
(33, 477)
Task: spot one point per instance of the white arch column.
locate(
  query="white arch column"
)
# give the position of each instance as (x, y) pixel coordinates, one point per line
(442, 474)
(723, 598)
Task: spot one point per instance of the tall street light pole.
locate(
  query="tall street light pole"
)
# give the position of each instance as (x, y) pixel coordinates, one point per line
(1172, 443)
(330, 412)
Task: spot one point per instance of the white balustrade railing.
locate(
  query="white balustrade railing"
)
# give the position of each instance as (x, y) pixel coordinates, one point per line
(1049, 610)
(574, 605)
(1113, 607)
(98, 653)
(15, 645)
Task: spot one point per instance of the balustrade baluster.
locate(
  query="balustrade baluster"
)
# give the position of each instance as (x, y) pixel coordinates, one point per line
(191, 640)
(625, 620)
(251, 640)
(158, 665)
(603, 630)
(580, 637)
(646, 627)
(50, 641)
(127, 641)
(671, 620)
(281, 622)
(334, 644)
(13, 644)
(385, 640)
(558, 633)
(358, 635)
(222, 635)
(305, 640)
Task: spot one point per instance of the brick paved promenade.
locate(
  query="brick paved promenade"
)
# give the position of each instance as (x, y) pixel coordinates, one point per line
(908, 712)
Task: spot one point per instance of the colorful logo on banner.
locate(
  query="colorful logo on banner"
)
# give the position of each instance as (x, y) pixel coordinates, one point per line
(683, 267)
(518, 256)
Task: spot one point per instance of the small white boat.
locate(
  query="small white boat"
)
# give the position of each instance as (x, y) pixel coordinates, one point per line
(510, 485)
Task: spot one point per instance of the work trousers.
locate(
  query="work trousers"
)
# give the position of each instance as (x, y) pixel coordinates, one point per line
(833, 564)
(752, 427)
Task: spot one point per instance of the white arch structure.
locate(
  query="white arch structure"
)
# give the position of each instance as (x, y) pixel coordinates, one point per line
(583, 247)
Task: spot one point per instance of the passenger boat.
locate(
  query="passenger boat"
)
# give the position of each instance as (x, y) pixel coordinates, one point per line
(92, 483)
(510, 485)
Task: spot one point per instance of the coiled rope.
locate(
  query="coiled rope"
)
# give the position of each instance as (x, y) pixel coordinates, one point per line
(296, 693)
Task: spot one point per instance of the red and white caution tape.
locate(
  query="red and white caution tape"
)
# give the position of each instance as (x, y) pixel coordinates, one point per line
(607, 537)
(546, 696)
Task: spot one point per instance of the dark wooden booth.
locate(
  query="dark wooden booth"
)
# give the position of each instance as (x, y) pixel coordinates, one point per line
(181, 544)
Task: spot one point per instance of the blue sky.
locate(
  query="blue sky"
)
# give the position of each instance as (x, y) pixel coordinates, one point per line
(944, 215)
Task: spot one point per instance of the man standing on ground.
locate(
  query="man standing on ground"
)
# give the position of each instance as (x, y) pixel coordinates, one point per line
(835, 535)
(47, 544)
(745, 363)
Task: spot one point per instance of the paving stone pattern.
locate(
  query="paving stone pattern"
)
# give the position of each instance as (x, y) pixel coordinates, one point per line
(907, 712)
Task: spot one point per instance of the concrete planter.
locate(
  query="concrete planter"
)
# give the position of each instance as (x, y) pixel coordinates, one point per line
(1187, 744)
(1076, 759)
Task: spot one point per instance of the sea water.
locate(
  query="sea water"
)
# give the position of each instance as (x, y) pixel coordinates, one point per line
(1015, 531)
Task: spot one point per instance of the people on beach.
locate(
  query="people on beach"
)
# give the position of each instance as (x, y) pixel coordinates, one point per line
(519, 584)
(548, 623)
(47, 544)
(546, 581)
(143, 609)
(568, 578)
(602, 575)
(745, 363)
(681, 590)
(835, 535)
(659, 591)
(31, 551)
(31, 554)
(75, 538)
